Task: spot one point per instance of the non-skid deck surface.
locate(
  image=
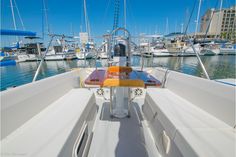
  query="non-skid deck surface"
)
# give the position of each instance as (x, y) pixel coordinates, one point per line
(120, 137)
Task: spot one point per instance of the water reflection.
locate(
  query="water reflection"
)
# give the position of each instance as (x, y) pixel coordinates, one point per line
(216, 66)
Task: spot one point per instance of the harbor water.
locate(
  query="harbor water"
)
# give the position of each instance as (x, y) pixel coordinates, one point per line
(218, 67)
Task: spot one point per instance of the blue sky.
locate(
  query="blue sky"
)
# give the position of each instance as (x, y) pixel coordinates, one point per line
(143, 16)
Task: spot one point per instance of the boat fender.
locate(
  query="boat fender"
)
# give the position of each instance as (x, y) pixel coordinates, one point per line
(166, 142)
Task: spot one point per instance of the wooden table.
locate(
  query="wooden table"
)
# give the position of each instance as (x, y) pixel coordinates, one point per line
(121, 78)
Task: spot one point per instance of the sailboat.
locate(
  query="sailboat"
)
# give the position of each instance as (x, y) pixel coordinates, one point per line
(87, 50)
(228, 48)
(119, 111)
(16, 53)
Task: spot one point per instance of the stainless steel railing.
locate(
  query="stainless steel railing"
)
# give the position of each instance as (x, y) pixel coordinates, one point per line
(44, 55)
(42, 59)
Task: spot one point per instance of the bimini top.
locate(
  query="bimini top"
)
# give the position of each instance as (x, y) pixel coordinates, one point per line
(17, 32)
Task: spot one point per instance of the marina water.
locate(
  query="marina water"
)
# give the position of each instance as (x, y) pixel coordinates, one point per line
(218, 67)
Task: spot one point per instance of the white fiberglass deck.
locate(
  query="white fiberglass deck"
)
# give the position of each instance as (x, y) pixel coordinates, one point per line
(190, 116)
(124, 137)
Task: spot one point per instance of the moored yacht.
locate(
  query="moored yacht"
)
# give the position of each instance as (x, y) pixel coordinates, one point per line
(87, 52)
(159, 50)
(176, 46)
(30, 52)
(60, 51)
(57, 53)
(210, 49)
(228, 49)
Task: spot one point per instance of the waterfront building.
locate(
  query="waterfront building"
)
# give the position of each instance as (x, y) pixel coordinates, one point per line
(222, 23)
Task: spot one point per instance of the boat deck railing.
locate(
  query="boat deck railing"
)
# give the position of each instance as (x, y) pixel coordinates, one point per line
(44, 55)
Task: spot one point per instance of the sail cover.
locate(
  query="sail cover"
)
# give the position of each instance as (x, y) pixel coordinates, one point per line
(17, 32)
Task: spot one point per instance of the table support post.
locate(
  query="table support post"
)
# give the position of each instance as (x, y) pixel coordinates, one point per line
(129, 101)
(111, 114)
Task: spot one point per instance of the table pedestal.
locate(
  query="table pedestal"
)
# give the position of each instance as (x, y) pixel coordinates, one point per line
(120, 102)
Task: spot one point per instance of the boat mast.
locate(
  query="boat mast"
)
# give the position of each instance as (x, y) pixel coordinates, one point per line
(182, 27)
(176, 26)
(198, 14)
(46, 16)
(42, 20)
(167, 26)
(86, 20)
(13, 15)
(125, 14)
(13, 18)
(18, 13)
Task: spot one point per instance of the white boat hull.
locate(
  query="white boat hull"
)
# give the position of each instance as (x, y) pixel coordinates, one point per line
(161, 53)
(27, 57)
(87, 55)
(103, 55)
(227, 51)
(55, 57)
(60, 56)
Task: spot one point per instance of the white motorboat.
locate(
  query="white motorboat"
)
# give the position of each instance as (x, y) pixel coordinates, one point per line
(228, 49)
(59, 53)
(119, 111)
(188, 50)
(27, 57)
(85, 55)
(102, 52)
(210, 49)
(103, 55)
(159, 50)
(145, 48)
(60, 50)
(87, 51)
(175, 47)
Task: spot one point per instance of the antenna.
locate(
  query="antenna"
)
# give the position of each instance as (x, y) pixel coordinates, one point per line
(175, 26)
(81, 28)
(71, 29)
(182, 27)
(167, 26)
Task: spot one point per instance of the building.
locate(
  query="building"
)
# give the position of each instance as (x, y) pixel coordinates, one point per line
(221, 23)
